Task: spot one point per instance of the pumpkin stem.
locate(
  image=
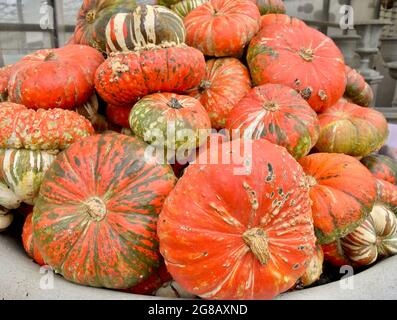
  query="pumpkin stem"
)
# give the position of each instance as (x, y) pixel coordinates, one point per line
(174, 104)
(256, 240)
(95, 208)
(271, 106)
(204, 85)
(306, 54)
(50, 56)
(91, 16)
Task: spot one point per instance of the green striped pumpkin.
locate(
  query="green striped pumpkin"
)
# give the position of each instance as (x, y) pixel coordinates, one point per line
(185, 6)
(145, 26)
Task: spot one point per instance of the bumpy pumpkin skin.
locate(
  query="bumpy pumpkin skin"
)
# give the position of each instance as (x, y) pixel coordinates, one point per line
(125, 77)
(21, 174)
(93, 17)
(54, 129)
(171, 115)
(28, 241)
(222, 28)
(118, 115)
(382, 167)
(105, 188)
(246, 236)
(270, 6)
(145, 25)
(350, 129)
(357, 89)
(314, 269)
(343, 193)
(184, 7)
(300, 57)
(278, 114)
(55, 78)
(225, 83)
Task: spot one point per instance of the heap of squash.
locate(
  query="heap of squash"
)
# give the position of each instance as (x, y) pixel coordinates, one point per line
(108, 213)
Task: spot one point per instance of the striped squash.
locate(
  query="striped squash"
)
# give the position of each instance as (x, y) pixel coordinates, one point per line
(350, 129)
(382, 167)
(95, 218)
(146, 25)
(21, 174)
(52, 129)
(225, 83)
(185, 6)
(278, 114)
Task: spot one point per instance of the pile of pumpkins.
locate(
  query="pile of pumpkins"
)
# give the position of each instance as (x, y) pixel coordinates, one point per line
(75, 130)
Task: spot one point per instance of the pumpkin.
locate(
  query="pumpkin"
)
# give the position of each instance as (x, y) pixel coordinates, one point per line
(270, 6)
(105, 188)
(357, 89)
(351, 129)
(6, 218)
(239, 236)
(183, 7)
(300, 57)
(42, 129)
(387, 193)
(275, 18)
(118, 115)
(127, 76)
(145, 25)
(222, 28)
(314, 269)
(21, 174)
(174, 122)
(55, 78)
(225, 83)
(343, 192)
(90, 111)
(382, 167)
(5, 74)
(168, 3)
(93, 18)
(153, 283)
(28, 241)
(279, 114)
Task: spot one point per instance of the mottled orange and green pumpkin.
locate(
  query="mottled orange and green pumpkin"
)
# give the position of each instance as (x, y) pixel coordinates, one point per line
(225, 235)
(55, 78)
(300, 57)
(343, 192)
(278, 114)
(382, 167)
(225, 83)
(358, 90)
(270, 6)
(278, 18)
(167, 120)
(222, 28)
(182, 8)
(28, 241)
(96, 215)
(52, 129)
(351, 129)
(127, 76)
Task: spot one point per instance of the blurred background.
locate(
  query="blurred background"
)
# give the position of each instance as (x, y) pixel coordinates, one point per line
(369, 44)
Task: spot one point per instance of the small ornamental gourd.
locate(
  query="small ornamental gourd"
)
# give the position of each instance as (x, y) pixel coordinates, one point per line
(146, 25)
(53, 129)
(167, 120)
(300, 57)
(350, 129)
(270, 6)
(226, 235)
(222, 28)
(127, 76)
(382, 167)
(278, 114)
(55, 78)
(343, 192)
(93, 18)
(183, 7)
(358, 90)
(28, 241)
(95, 218)
(225, 83)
